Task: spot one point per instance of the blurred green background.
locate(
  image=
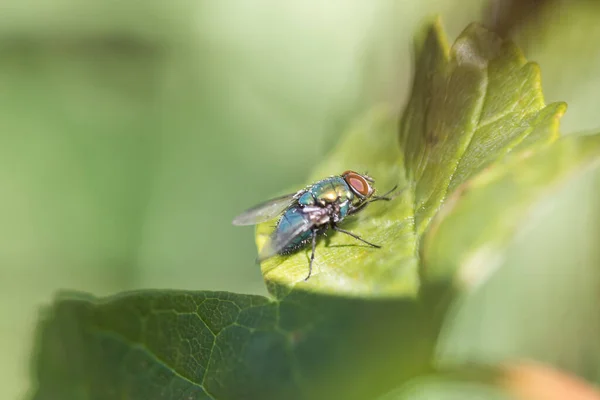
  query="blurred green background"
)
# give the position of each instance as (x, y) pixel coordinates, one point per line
(131, 133)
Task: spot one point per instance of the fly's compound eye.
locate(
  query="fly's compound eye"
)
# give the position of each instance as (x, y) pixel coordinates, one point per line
(358, 184)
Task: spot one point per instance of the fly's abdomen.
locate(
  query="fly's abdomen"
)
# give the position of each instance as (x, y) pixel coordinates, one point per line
(290, 221)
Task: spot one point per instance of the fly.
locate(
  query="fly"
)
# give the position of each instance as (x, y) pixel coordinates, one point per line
(310, 212)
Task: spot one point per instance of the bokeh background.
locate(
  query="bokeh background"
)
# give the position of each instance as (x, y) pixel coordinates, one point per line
(132, 132)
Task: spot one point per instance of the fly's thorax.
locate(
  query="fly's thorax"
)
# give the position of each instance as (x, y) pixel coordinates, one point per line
(331, 190)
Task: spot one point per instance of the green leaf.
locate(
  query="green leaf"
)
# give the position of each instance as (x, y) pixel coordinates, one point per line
(218, 345)
(363, 324)
(471, 105)
(470, 108)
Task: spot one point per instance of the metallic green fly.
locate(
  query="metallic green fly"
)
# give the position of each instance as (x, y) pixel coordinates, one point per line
(312, 211)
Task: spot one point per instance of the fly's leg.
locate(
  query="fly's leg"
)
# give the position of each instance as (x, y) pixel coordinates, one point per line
(354, 210)
(372, 199)
(355, 236)
(312, 255)
(362, 205)
(385, 196)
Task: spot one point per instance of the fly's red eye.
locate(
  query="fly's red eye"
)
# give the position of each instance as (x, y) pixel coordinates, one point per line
(358, 183)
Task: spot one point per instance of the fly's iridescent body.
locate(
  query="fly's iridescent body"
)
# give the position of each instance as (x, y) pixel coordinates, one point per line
(311, 212)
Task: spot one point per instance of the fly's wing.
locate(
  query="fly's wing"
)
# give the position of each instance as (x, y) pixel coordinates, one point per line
(282, 239)
(264, 211)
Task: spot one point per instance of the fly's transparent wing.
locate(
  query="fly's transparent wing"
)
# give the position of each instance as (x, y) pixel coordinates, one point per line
(264, 211)
(282, 239)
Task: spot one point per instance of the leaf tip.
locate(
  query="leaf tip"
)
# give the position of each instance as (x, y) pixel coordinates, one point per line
(556, 111)
(432, 32)
(561, 109)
